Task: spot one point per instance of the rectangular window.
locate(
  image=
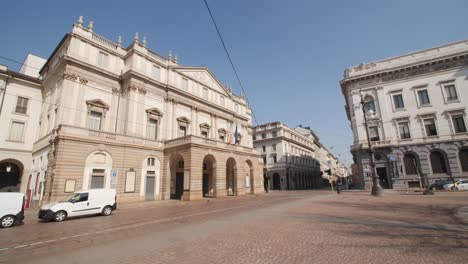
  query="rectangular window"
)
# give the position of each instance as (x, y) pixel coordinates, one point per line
(152, 129)
(254, 137)
(264, 148)
(274, 134)
(205, 93)
(264, 160)
(398, 101)
(221, 137)
(97, 179)
(236, 108)
(429, 125)
(423, 97)
(95, 119)
(182, 131)
(459, 124)
(150, 162)
(263, 136)
(451, 92)
(22, 105)
(374, 133)
(221, 100)
(156, 72)
(404, 130)
(184, 84)
(273, 147)
(17, 130)
(103, 59)
(204, 134)
(274, 159)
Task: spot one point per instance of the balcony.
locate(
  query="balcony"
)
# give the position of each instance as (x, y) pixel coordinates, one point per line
(364, 145)
(190, 139)
(106, 137)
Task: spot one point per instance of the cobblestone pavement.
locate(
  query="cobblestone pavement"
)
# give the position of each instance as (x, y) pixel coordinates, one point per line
(281, 227)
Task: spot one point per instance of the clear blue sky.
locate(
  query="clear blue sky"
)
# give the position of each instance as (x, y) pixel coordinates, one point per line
(290, 54)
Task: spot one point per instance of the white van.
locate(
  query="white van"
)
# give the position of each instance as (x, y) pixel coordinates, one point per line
(89, 202)
(11, 208)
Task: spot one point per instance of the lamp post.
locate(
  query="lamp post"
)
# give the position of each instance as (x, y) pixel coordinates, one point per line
(377, 190)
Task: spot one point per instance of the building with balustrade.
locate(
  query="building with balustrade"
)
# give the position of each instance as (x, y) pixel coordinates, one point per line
(133, 120)
(294, 159)
(418, 123)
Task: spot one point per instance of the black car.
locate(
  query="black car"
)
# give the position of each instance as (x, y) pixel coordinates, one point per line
(438, 184)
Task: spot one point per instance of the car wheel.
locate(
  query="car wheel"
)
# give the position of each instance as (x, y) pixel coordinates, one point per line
(7, 221)
(107, 211)
(60, 216)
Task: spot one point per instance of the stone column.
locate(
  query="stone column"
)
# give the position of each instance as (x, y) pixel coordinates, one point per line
(173, 120)
(220, 182)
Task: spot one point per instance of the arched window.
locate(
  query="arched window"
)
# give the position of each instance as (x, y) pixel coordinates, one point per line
(464, 159)
(438, 162)
(410, 164)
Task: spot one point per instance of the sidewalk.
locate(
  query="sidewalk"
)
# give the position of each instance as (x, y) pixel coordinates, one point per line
(462, 214)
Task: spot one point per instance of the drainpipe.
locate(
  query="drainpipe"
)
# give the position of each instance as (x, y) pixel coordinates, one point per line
(4, 94)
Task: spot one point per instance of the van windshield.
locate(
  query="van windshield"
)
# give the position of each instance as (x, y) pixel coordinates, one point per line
(71, 198)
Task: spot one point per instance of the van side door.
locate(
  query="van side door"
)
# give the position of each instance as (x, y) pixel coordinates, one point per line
(81, 205)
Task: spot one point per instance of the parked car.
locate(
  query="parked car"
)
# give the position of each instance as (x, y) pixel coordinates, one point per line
(439, 184)
(89, 202)
(455, 186)
(461, 185)
(11, 208)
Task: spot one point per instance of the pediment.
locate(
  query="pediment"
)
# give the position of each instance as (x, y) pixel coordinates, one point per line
(97, 103)
(206, 77)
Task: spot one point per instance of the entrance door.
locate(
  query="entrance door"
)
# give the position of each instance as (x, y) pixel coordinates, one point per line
(179, 185)
(383, 178)
(206, 186)
(276, 182)
(149, 194)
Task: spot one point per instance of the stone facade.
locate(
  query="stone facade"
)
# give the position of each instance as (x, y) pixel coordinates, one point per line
(133, 120)
(418, 121)
(20, 104)
(294, 159)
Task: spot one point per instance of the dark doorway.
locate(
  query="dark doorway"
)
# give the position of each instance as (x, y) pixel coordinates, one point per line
(383, 178)
(206, 185)
(179, 186)
(276, 182)
(10, 177)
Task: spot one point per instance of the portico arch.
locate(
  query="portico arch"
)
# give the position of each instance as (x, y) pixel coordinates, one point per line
(231, 176)
(249, 177)
(11, 171)
(209, 176)
(177, 176)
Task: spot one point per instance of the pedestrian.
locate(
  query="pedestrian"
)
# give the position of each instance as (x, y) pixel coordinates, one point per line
(265, 183)
(338, 187)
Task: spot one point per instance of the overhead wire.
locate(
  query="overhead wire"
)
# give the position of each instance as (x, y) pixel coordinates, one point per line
(230, 60)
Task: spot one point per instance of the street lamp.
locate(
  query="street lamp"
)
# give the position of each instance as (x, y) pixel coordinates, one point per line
(377, 190)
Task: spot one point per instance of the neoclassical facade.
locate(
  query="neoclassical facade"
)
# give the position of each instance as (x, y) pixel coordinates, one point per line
(133, 120)
(292, 158)
(418, 123)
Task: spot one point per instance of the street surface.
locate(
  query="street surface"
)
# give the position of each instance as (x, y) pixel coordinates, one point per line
(279, 227)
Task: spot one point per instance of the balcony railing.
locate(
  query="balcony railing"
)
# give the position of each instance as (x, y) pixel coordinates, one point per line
(104, 41)
(105, 137)
(191, 139)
